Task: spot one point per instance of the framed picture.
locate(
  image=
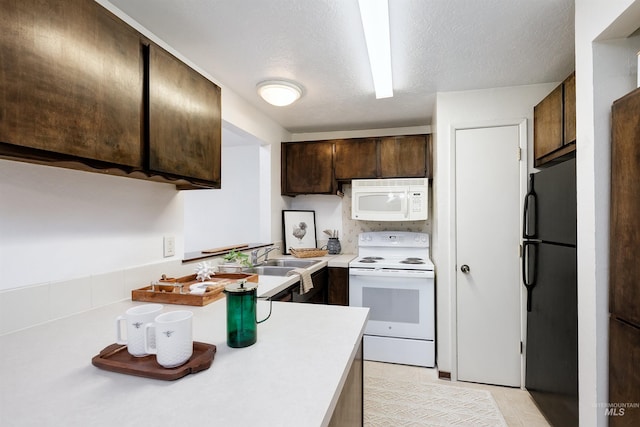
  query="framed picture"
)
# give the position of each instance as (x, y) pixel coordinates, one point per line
(299, 230)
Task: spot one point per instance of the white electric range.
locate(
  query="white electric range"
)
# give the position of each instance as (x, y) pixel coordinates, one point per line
(394, 277)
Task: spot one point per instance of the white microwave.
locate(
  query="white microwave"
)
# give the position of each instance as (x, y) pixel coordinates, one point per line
(394, 199)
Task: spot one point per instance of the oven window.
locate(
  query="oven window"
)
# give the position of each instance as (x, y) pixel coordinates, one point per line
(392, 305)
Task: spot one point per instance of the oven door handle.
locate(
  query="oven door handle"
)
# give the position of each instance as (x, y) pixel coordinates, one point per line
(391, 273)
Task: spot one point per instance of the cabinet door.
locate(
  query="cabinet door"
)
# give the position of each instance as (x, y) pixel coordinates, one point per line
(624, 376)
(71, 80)
(284, 296)
(624, 269)
(338, 286)
(403, 156)
(184, 120)
(307, 168)
(356, 158)
(547, 124)
(318, 294)
(569, 114)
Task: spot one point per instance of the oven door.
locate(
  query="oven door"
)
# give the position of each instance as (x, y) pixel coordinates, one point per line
(401, 302)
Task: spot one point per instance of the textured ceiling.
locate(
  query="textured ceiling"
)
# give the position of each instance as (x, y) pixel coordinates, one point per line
(436, 45)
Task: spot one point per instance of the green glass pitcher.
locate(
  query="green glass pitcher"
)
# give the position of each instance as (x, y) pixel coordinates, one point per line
(242, 316)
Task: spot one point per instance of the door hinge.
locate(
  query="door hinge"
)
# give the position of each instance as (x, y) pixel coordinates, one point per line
(519, 154)
(519, 251)
(521, 347)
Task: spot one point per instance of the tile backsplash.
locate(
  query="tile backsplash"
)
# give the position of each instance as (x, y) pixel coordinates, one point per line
(351, 228)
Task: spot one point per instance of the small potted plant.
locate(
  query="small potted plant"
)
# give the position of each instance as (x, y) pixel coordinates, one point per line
(234, 261)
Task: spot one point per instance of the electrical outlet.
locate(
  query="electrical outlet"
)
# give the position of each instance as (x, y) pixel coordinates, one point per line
(169, 246)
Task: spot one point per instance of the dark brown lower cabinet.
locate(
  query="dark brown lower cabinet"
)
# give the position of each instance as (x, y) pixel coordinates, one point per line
(284, 296)
(338, 286)
(330, 286)
(317, 295)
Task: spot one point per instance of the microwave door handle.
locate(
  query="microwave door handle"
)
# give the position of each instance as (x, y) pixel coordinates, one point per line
(408, 207)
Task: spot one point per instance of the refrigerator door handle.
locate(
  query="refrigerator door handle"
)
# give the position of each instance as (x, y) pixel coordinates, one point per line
(529, 217)
(529, 269)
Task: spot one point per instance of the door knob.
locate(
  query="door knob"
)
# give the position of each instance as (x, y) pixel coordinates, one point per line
(465, 268)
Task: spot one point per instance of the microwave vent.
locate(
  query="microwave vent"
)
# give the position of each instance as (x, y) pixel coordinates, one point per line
(399, 182)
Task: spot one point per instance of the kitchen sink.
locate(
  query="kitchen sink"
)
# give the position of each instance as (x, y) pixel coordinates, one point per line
(297, 263)
(268, 270)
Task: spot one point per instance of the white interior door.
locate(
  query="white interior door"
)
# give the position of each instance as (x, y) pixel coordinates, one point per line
(488, 183)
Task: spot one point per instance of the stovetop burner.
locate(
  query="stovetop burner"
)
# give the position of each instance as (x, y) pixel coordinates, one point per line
(412, 261)
(371, 259)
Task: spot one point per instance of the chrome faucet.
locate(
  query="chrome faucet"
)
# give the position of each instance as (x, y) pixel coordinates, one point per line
(255, 256)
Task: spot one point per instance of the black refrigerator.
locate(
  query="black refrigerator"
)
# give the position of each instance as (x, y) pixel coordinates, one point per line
(549, 269)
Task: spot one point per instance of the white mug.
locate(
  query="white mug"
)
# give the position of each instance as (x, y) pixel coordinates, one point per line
(136, 317)
(173, 338)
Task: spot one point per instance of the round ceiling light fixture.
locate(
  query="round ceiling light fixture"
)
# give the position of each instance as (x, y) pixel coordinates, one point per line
(279, 92)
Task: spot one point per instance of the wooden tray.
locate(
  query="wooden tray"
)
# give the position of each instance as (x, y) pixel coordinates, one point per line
(167, 293)
(116, 358)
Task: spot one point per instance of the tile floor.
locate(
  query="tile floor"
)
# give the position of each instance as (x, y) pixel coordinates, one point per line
(516, 405)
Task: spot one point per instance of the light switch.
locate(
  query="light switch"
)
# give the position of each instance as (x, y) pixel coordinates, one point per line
(169, 246)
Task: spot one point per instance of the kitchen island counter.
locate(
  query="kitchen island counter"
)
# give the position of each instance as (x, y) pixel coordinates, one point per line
(293, 376)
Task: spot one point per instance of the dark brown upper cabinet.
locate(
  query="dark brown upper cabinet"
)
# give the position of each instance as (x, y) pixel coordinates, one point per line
(405, 156)
(184, 120)
(321, 167)
(307, 168)
(382, 157)
(82, 89)
(554, 124)
(72, 81)
(356, 158)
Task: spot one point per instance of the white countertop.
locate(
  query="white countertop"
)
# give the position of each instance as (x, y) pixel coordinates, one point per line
(292, 376)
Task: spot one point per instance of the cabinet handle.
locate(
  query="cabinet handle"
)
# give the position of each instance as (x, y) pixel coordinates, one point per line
(465, 269)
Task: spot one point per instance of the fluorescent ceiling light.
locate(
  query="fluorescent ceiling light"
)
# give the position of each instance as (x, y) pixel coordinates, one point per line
(375, 21)
(279, 93)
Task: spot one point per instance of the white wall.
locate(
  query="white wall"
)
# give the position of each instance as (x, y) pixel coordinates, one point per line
(606, 69)
(231, 214)
(459, 109)
(59, 224)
